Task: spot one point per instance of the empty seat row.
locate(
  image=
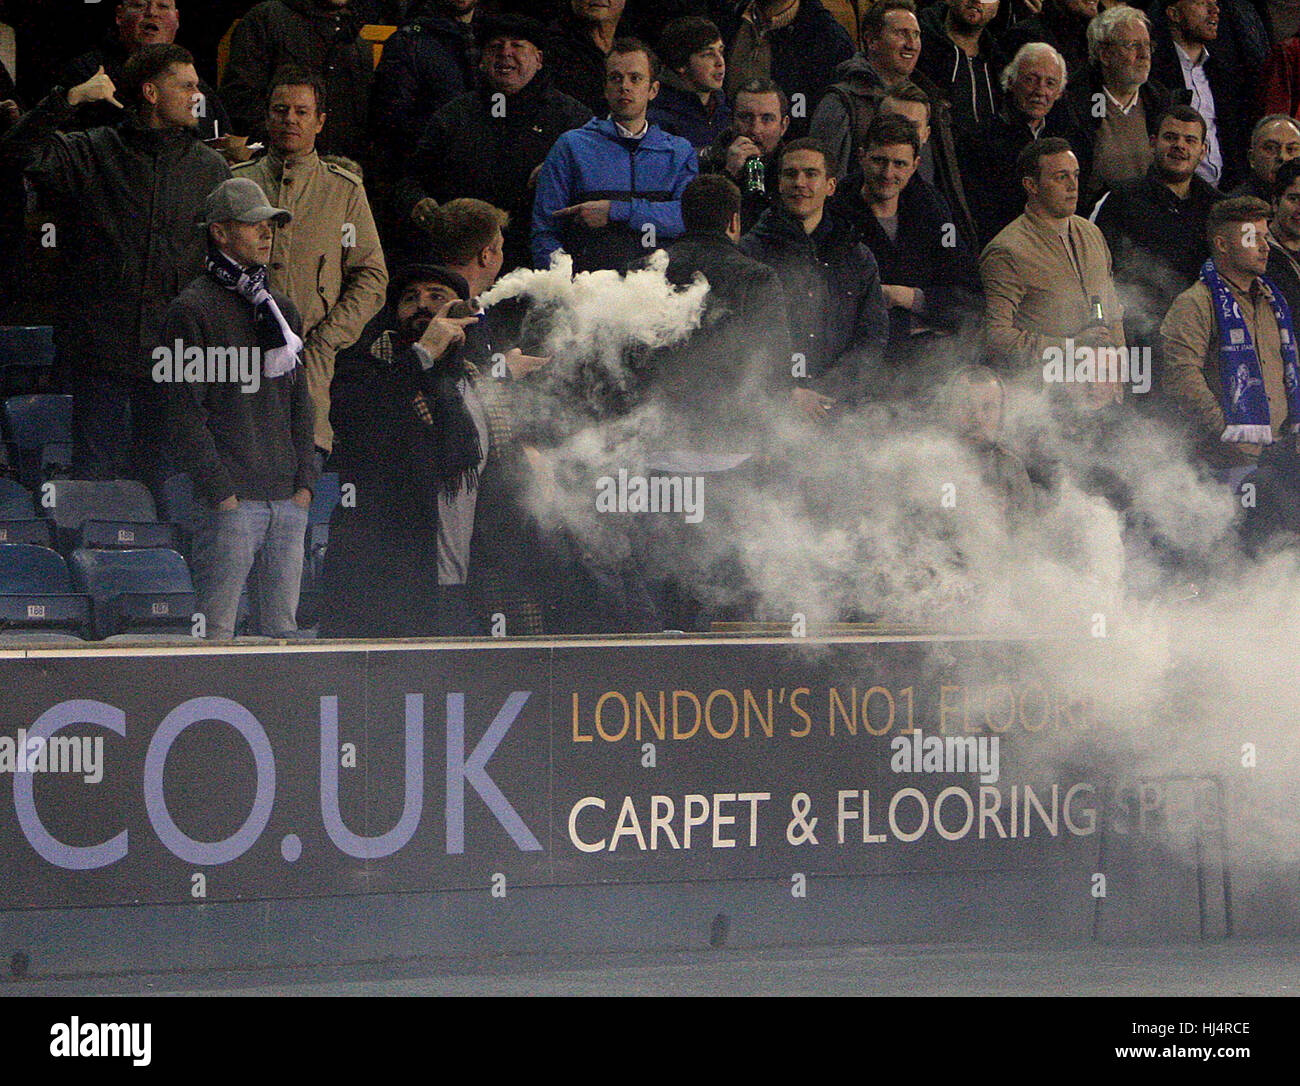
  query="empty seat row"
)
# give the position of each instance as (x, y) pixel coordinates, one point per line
(109, 585)
(82, 513)
(95, 594)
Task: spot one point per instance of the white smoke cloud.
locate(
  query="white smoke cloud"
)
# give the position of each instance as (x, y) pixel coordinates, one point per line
(1195, 653)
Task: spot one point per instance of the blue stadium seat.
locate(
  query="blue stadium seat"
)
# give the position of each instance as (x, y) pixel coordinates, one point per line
(26, 530)
(26, 359)
(56, 460)
(138, 590)
(105, 514)
(61, 613)
(27, 345)
(15, 501)
(27, 568)
(33, 422)
(36, 592)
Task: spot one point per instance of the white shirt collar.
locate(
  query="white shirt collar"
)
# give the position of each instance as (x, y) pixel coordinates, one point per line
(1137, 97)
(628, 134)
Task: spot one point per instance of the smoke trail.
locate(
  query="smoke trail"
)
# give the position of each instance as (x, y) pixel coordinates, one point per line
(1148, 612)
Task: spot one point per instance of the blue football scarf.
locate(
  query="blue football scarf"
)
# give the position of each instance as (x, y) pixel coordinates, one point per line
(1245, 403)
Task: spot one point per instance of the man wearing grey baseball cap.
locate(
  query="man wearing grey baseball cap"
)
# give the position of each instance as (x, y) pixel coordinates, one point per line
(240, 416)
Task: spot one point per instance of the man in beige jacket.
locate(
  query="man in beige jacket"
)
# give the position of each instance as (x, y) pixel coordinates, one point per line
(328, 261)
(1193, 342)
(1047, 276)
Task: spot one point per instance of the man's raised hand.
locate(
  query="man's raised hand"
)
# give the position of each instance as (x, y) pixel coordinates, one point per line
(444, 331)
(741, 150)
(98, 88)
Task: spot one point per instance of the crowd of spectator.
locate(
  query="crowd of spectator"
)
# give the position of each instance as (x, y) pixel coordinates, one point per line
(888, 198)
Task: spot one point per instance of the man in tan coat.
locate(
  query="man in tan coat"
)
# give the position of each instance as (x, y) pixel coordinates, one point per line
(1194, 342)
(1048, 283)
(328, 261)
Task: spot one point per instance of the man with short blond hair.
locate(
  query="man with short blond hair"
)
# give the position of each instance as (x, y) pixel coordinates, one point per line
(138, 23)
(610, 192)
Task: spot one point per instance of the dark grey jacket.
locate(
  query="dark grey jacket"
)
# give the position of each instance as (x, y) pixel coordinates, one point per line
(255, 445)
(837, 315)
(122, 201)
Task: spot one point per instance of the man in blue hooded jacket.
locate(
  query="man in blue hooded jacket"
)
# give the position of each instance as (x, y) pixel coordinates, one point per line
(611, 191)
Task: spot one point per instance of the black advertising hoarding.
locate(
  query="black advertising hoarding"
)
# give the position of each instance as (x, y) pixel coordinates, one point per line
(187, 776)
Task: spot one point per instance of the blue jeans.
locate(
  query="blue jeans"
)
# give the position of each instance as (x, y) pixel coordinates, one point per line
(226, 545)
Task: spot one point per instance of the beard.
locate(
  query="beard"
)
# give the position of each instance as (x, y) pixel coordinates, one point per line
(413, 327)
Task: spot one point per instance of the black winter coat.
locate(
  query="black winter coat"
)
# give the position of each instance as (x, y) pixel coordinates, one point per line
(467, 151)
(381, 568)
(679, 112)
(970, 84)
(321, 38)
(258, 445)
(917, 257)
(1064, 31)
(123, 202)
(716, 384)
(836, 313)
(1157, 243)
(427, 63)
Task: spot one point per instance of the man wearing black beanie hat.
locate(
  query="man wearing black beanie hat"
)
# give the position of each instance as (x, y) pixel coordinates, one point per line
(490, 143)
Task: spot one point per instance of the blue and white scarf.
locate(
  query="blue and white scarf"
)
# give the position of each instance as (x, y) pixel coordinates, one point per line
(1245, 403)
(279, 344)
